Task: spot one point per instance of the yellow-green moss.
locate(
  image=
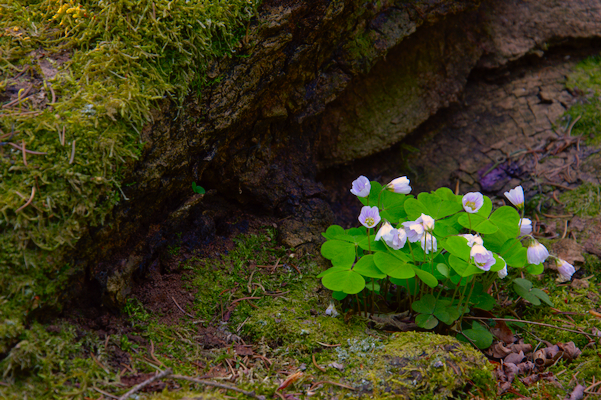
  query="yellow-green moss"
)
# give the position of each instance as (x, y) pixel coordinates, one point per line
(584, 201)
(107, 64)
(585, 81)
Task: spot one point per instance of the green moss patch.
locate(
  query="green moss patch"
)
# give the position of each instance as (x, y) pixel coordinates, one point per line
(585, 81)
(80, 80)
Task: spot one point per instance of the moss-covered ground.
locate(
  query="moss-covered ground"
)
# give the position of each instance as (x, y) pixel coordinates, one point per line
(284, 325)
(79, 80)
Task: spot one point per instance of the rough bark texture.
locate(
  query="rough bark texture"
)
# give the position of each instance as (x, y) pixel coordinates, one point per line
(319, 84)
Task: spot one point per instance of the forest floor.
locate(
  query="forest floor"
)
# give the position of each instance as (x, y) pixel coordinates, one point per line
(245, 312)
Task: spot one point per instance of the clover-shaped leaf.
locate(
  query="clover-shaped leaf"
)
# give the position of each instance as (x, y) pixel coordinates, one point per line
(347, 281)
(479, 335)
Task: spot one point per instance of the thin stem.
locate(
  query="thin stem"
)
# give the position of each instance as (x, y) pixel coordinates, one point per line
(411, 250)
(368, 241)
(467, 300)
(373, 289)
(469, 218)
(456, 289)
(358, 304)
(460, 308)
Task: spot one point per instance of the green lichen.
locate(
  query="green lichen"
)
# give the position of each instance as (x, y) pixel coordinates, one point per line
(96, 71)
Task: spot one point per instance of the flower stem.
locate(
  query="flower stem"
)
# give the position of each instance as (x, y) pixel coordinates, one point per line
(467, 300)
(368, 241)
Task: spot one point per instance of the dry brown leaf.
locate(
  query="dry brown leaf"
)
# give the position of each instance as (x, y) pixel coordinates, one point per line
(497, 350)
(514, 358)
(570, 351)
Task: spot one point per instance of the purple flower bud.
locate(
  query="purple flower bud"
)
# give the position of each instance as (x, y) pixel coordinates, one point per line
(399, 185)
(565, 269)
(482, 258)
(516, 196)
(361, 187)
(536, 252)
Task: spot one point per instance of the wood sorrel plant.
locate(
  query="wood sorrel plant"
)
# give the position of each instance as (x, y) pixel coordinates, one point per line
(438, 253)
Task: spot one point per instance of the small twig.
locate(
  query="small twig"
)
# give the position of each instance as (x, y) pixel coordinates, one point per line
(594, 385)
(277, 294)
(181, 309)
(245, 298)
(529, 322)
(219, 385)
(28, 201)
(16, 146)
(72, 152)
(105, 393)
(24, 152)
(63, 137)
(557, 216)
(328, 345)
(18, 99)
(263, 358)
(558, 185)
(565, 229)
(572, 125)
(97, 361)
(153, 356)
(322, 369)
(331, 383)
(147, 382)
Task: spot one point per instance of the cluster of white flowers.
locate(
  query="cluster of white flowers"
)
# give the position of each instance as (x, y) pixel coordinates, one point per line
(421, 230)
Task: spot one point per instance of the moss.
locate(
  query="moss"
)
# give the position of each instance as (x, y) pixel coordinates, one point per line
(297, 322)
(586, 82)
(96, 71)
(584, 201)
(428, 366)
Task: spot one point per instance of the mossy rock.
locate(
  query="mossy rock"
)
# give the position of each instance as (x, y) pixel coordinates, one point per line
(425, 366)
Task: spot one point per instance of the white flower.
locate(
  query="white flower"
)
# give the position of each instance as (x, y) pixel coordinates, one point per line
(525, 226)
(482, 258)
(472, 202)
(361, 187)
(331, 311)
(427, 222)
(414, 230)
(398, 239)
(394, 238)
(516, 196)
(429, 244)
(565, 269)
(370, 216)
(399, 185)
(384, 232)
(472, 239)
(537, 253)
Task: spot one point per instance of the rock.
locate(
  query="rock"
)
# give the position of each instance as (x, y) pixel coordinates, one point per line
(324, 85)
